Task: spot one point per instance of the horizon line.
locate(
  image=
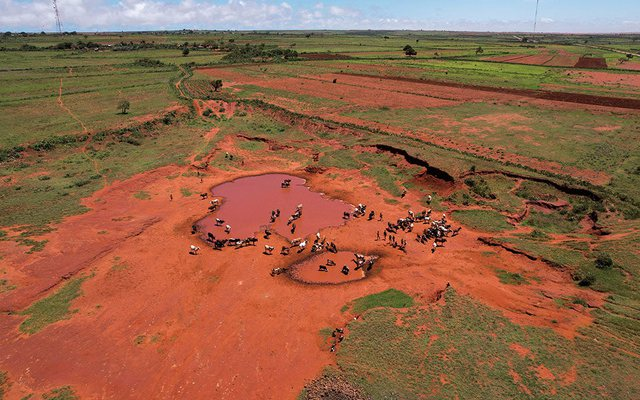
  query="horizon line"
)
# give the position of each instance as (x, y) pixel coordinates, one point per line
(324, 30)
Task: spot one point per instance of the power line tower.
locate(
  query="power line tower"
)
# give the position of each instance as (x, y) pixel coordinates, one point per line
(58, 23)
(535, 19)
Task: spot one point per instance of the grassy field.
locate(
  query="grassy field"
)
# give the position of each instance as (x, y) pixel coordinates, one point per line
(464, 349)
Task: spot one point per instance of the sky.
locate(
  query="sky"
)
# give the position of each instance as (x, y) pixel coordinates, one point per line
(571, 16)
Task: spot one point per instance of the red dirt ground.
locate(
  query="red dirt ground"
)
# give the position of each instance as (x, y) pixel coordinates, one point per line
(156, 322)
(629, 65)
(591, 62)
(602, 78)
(394, 92)
(321, 86)
(215, 106)
(559, 58)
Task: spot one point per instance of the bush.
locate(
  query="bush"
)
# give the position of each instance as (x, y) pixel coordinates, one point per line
(604, 261)
(538, 235)
(480, 187)
(584, 278)
(148, 62)
(51, 143)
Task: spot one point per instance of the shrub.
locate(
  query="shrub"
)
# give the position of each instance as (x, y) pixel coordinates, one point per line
(123, 106)
(584, 278)
(603, 261)
(147, 62)
(480, 187)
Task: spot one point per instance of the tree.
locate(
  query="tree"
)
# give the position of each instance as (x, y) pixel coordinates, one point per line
(479, 50)
(123, 106)
(185, 52)
(217, 84)
(408, 50)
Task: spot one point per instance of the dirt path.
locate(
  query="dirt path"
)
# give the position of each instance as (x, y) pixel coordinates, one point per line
(85, 131)
(179, 82)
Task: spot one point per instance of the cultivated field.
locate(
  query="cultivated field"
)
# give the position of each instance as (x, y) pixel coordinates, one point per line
(116, 280)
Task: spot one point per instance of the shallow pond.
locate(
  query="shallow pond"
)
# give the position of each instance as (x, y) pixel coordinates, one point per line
(247, 204)
(308, 271)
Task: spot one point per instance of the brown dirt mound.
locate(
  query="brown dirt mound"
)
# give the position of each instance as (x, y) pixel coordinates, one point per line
(592, 62)
(332, 388)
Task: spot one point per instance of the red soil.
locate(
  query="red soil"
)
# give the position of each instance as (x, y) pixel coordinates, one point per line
(190, 294)
(156, 322)
(321, 86)
(215, 106)
(178, 108)
(394, 92)
(521, 350)
(544, 373)
(591, 62)
(601, 78)
(560, 97)
(559, 58)
(214, 323)
(629, 65)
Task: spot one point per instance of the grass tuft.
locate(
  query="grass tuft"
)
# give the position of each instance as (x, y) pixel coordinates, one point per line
(51, 309)
(389, 298)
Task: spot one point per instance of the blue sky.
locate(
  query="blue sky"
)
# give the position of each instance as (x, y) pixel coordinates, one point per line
(579, 16)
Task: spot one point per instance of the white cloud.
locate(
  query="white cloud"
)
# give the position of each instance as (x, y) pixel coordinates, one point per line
(88, 15)
(150, 14)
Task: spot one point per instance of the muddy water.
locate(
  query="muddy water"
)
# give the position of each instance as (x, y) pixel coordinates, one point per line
(247, 204)
(308, 272)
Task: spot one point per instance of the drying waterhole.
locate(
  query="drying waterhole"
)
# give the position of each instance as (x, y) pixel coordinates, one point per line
(247, 204)
(329, 269)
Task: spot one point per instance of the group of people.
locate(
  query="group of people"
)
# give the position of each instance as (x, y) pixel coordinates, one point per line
(337, 336)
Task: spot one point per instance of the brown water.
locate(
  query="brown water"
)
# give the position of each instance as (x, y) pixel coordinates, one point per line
(247, 204)
(307, 271)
